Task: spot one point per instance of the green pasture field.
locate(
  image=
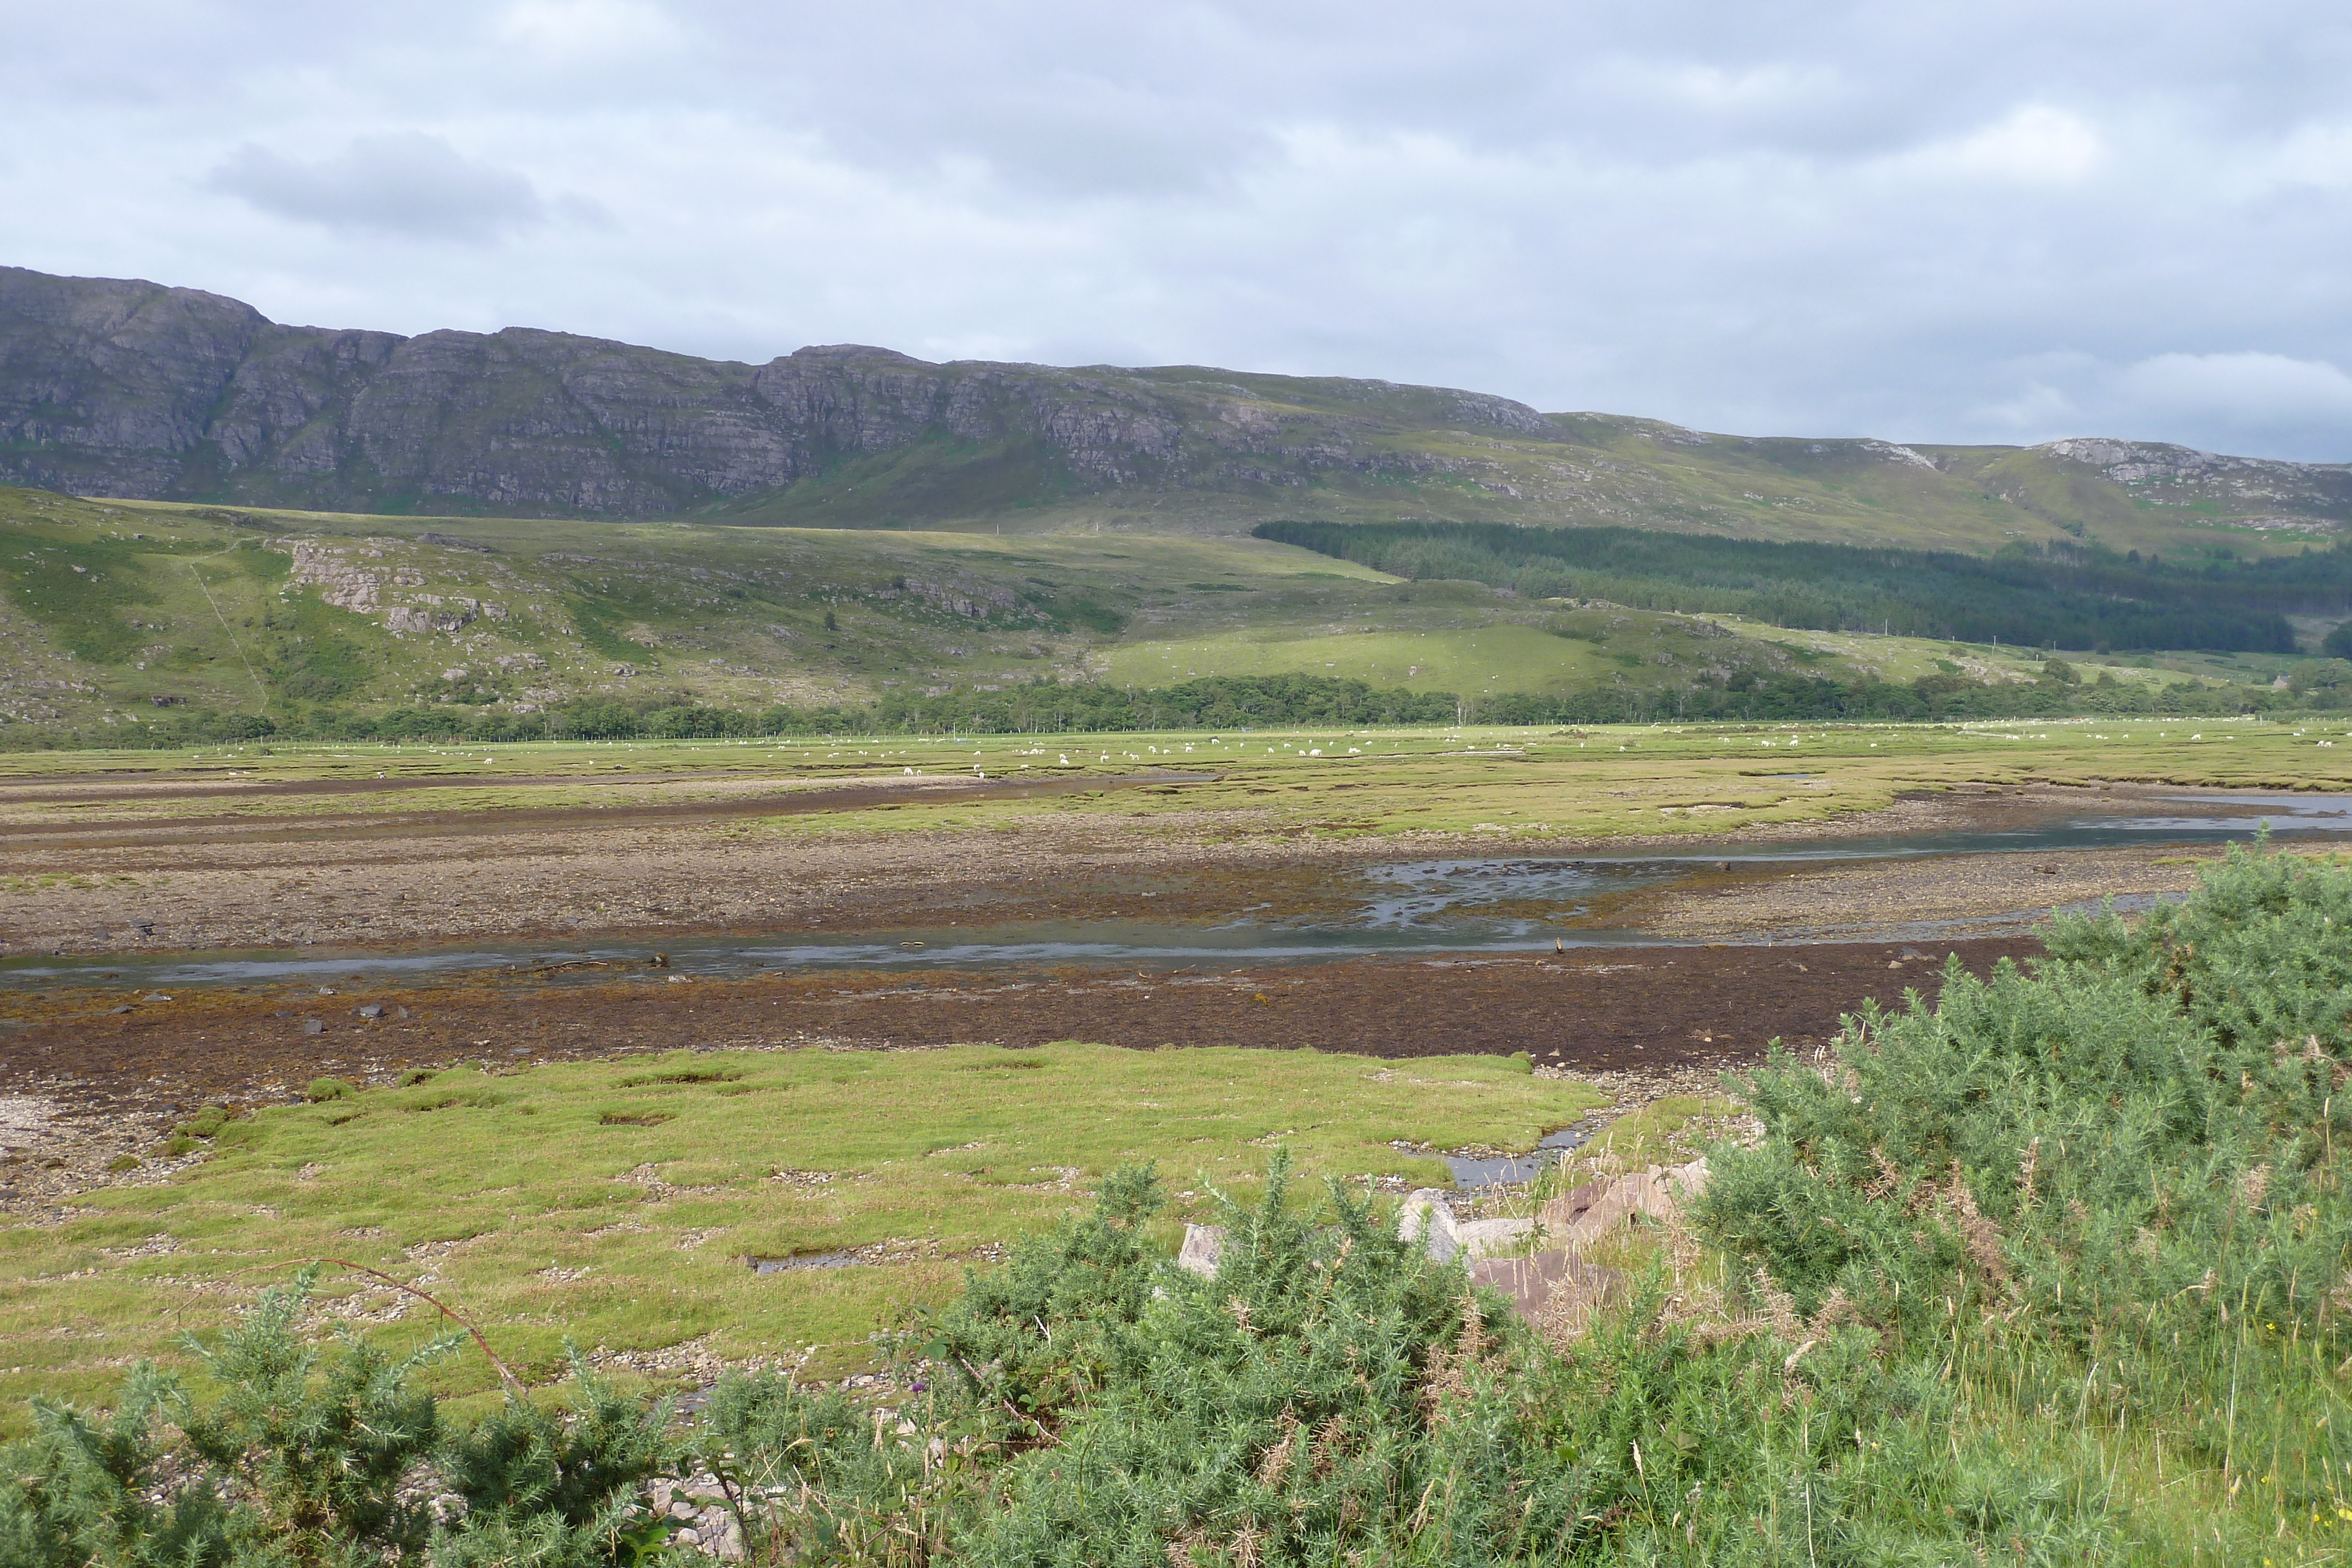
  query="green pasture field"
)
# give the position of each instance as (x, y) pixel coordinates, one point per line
(1496, 783)
(1469, 661)
(616, 1203)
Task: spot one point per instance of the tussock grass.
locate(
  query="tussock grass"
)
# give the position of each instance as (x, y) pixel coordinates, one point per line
(616, 1203)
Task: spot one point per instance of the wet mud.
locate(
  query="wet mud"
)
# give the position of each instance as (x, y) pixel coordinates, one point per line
(1592, 1008)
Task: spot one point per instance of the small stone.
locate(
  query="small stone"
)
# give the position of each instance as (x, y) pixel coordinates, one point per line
(112, 1011)
(1204, 1245)
(313, 1026)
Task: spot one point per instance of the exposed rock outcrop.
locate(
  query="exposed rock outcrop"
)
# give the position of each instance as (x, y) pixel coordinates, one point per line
(113, 387)
(116, 387)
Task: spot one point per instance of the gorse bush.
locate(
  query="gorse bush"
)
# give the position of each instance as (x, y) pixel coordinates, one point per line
(298, 1462)
(307, 1459)
(2115, 1185)
(1277, 1405)
(1332, 1396)
(2054, 1270)
(1092, 1278)
(553, 1490)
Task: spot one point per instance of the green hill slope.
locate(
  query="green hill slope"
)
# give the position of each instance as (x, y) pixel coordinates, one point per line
(142, 613)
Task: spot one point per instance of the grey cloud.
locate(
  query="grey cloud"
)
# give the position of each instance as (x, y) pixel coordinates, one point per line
(405, 183)
(1952, 220)
(2240, 398)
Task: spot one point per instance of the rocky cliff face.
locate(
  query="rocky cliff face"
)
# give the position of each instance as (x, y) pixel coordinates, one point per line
(2182, 475)
(117, 388)
(120, 388)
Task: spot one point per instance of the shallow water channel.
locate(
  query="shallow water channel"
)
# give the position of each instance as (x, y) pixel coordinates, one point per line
(1501, 903)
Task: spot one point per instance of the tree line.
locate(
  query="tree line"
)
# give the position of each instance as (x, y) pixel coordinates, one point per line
(1230, 703)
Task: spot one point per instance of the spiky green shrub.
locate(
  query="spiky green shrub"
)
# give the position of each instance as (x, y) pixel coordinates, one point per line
(1333, 1397)
(1042, 1332)
(812, 1477)
(304, 1458)
(2112, 1187)
(77, 1490)
(542, 1489)
(1312, 1341)
(299, 1460)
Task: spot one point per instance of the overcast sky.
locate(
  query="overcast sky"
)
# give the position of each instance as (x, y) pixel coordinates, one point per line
(1984, 221)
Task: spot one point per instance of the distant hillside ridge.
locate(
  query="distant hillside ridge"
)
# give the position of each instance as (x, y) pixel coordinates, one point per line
(129, 389)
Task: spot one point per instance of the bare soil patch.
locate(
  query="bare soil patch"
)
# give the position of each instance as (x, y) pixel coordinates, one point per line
(1964, 895)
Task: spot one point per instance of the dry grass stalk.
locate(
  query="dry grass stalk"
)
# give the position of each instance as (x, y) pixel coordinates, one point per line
(1779, 1307)
(1275, 1464)
(1980, 1237)
(1566, 1316)
(1180, 1548)
(1331, 1442)
(1448, 1378)
(1836, 1308)
(1890, 1178)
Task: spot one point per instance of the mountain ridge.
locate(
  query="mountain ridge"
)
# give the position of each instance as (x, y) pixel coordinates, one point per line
(129, 389)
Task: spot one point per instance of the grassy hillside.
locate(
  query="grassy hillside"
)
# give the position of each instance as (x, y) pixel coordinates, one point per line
(1583, 470)
(132, 614)
(2072, 596)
